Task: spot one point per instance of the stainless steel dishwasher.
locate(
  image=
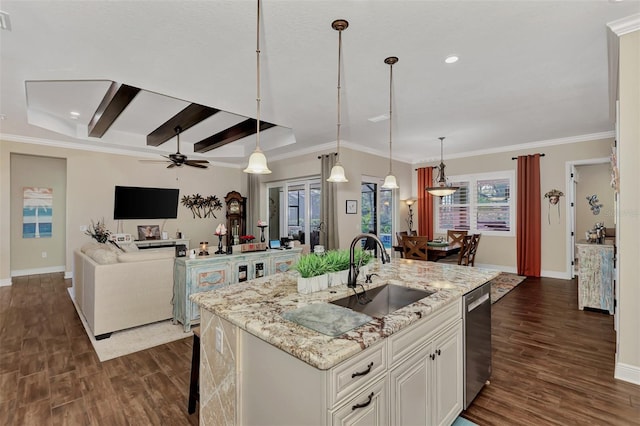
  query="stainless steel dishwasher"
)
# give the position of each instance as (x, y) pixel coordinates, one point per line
(477, 341)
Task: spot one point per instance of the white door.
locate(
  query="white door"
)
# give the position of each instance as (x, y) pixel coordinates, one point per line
(448, 375)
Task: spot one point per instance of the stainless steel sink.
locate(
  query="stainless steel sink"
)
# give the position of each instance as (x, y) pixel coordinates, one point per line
(383, 300)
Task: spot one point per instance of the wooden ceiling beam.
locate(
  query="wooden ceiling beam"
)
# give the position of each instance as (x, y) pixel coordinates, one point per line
(117, 98)
(188, 117)
(239, 131)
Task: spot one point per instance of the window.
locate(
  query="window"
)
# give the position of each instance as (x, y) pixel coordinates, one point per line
(377, 210)
(294, 211)
(485, 204)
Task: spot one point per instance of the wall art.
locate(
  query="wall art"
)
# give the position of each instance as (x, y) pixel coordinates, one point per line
(37, 212)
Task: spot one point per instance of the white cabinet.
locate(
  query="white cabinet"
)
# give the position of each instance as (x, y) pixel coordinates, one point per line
(415, 377)
(426, 386)
(367, 408)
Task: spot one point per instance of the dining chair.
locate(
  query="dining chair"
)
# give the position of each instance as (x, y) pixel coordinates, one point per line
(473, 248)
(455, 236)
(462, 257)
(414, 247)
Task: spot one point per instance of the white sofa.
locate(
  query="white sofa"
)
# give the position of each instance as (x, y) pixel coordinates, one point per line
(118, 290)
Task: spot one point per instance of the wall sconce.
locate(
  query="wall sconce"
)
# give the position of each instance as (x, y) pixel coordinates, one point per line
(410, 203)
(203, 248)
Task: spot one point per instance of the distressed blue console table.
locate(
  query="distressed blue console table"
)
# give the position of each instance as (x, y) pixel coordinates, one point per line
(205, 273)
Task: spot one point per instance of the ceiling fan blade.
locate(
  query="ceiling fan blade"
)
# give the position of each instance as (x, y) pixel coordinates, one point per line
(171, 165)
(195, 163)
(152, 161)
(199, 161)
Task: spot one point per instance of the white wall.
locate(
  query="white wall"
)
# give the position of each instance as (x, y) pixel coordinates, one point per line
(91, 178)
(628, 362)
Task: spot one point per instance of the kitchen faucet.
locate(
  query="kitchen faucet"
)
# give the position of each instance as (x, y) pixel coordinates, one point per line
(353, 268)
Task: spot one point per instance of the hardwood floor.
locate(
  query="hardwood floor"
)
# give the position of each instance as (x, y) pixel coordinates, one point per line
(50, 374)
(553, 364)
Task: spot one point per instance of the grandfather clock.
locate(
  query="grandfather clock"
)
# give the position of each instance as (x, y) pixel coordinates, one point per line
(236, 217)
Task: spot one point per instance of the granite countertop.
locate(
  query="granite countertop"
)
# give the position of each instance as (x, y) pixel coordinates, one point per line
(257, 306)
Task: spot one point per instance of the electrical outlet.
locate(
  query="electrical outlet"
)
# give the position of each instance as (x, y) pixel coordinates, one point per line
(219, 339)
(44, 254)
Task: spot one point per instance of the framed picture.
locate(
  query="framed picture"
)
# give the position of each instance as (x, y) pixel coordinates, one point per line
(148, 232)
(352, 206)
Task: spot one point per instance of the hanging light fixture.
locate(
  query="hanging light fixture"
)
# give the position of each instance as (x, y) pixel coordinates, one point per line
(390, 181)
(257, 161)
(441, 189)
(337, 171)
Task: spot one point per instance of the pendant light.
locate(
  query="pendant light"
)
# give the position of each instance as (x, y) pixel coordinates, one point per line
(257, 161)
(441, 189)
(390, 181)
(337, 171)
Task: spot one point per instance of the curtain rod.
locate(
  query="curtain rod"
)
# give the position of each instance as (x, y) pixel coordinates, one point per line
(320, 156)
(515, 158)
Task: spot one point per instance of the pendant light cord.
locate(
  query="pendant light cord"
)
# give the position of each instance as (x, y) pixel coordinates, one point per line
(390, 114)
(258, 77)
(339, 114)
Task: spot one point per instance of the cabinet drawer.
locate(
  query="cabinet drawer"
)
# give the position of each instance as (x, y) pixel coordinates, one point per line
(369, 407)
(407, 341)
(356, 372)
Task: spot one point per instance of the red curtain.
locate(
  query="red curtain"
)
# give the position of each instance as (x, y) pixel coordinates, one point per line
(528, 235)
(425, 202)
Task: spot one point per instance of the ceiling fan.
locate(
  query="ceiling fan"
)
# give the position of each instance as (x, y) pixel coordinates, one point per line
(178, 159)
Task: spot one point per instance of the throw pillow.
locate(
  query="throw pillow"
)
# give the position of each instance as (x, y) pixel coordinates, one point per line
(103, 256)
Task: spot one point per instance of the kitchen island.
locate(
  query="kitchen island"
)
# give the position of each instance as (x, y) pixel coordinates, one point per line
(406, 367)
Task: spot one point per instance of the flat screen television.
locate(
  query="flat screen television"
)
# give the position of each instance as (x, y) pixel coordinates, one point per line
(133, 202)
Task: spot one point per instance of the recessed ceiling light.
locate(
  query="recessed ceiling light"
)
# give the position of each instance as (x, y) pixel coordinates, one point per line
(3, 117)
(451, 59)
(378, 118)
(75, 114)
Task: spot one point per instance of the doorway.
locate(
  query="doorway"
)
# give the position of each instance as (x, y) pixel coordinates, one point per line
(591, 200)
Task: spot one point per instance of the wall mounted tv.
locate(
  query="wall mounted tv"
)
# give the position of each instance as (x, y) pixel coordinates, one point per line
(133, 202)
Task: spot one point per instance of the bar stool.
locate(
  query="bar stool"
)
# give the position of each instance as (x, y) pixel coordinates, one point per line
(194, 392)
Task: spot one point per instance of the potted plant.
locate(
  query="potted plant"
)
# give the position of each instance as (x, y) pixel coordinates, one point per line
(98, 231)
(313, 273)
(337, 266)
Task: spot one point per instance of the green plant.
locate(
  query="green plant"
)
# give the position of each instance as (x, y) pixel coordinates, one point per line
(362, 257)
(337, 260)
(311, 265)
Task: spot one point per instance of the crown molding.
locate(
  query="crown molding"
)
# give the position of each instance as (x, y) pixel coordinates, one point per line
(525, 146)
(625, 25)
(130, 152)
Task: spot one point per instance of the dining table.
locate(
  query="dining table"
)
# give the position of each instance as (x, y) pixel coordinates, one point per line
(435, 251)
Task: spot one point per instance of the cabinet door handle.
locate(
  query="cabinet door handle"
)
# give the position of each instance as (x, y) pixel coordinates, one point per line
(363, 373)
(364, 404)
(432, 356)
(438, 352)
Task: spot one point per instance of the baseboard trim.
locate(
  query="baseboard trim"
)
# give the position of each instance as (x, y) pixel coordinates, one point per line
(628, 373)
(510, 269)
(37, 271)
(5, 282)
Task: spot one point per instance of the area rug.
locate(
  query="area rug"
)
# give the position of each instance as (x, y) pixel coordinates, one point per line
(461, 421)
(134, 339)
(503, 284)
